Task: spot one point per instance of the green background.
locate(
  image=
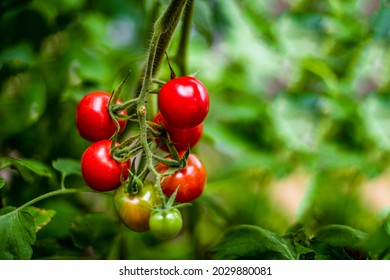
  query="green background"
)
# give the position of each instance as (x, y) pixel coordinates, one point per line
(296, 143)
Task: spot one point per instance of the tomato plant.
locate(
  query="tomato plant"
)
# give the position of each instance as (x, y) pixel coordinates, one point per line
(100, 171)
(190, 180)
(134, 210)
(181, 138)
(93, 120)
(165, 223)
(184, 102)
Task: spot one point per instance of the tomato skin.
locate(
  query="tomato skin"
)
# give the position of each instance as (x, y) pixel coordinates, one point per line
(184, 102)
(182, 138)
(165, 224)
(191, 180)
(93, 120)
(134, 210)
(100, 171)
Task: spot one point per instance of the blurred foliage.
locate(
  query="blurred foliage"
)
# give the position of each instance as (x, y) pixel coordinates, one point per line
(296, 144)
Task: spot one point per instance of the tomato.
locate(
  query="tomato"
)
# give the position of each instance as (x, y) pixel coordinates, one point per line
(165, 224)
(134, 210)
(191, 180)
(93, 120)
(100, 171)
(184, 102)
(182, 138)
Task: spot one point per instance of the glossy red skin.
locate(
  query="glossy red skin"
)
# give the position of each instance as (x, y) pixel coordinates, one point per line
(93, 119)
(191, 180)
(182, 138)
(184, 102)
(134, 210)
(100, 171)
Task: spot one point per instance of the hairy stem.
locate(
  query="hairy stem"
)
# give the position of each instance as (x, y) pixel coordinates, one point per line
(162, 34)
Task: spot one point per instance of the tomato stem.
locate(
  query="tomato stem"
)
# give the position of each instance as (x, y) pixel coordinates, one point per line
(50, 194)
(163, 31)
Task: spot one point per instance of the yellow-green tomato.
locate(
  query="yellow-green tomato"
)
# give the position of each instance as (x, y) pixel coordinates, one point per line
(165, 224)
(134, 210)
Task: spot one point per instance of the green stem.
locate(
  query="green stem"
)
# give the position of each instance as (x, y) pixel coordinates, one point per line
(47, 195)
(163, 31)
(181, 54)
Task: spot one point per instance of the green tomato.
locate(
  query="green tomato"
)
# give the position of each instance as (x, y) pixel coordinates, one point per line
(165, 224)
(134, 210)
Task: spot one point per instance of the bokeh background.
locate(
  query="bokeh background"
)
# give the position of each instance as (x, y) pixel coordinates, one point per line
(298, 129)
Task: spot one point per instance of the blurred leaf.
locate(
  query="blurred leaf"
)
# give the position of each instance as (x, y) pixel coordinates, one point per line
(28, 167)
(382, 24)
(22, 102)
(17, 231)
(41, 216)
(203, 19)
(2, 182)
(340, 236)
(67, 166)
(376, 118)
(296, 120)
(93, 229)
(251, 242)
(338, 242)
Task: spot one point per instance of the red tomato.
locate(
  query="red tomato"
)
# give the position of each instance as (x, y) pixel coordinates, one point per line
(100, 171)
(191, 180)
(93, 119)
(182, 139)
(184, 102)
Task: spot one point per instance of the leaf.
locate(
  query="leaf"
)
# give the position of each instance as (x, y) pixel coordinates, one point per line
(302, 252)
(17, 231)
(340, 236)
(251, 242)
(93, 229)
(382, 24)
(28, 167)
(2, 182)
(5, 162)
(67, 166)
(41, 216)
(338, 242)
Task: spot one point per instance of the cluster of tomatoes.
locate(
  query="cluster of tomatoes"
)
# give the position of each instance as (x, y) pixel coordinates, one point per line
(184, 104)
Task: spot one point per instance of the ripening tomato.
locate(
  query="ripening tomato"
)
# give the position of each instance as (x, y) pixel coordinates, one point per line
(191, 180)
(134, 210)
(93, 120)
(165, 223)
(184, 102)
(182, 138)
(100, 171)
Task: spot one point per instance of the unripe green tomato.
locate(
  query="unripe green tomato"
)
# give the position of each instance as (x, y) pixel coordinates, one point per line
(134, 210)
(165, 224)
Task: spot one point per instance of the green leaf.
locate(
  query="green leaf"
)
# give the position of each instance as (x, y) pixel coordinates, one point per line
(2, 182)
(41, 216)
(338, 242)
(28, 167)
(17, 231)
(22, 102)
(302, 252)
(251, 242)
(67, 166)
(382, 24)
(5, 162)
(340, 236)
(93, 229)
